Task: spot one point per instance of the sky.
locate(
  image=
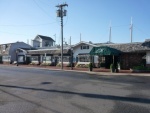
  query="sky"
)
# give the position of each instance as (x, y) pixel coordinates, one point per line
(22, 20)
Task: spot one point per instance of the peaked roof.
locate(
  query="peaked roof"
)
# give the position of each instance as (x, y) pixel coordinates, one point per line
(45, 37)
(82, 42)
(130, 47)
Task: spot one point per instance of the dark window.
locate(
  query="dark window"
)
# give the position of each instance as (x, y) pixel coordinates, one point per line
(34, 58)
(85, 47)
(102, 59)
(65, 59)
(84, 58)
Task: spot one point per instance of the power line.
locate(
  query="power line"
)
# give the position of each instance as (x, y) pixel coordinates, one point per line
(14, 33)
(42, 9)
(30, 25)
(141, 31)
(121, 25)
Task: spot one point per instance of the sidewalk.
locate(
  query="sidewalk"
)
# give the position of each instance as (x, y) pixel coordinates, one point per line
(96, 71)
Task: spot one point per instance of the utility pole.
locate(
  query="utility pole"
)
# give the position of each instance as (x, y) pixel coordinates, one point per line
(61, 13)
(131, 30)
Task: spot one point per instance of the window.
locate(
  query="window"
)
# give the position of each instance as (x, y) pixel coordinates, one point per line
(20, 58)
(34, 58)
(6, 58)
(65, 59)
(84, 47)
(102, 59)
(48, 58)
(84, 58)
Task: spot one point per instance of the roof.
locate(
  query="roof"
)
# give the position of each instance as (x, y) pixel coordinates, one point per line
(130, 47)
(45, 37)
(82, 42)
(48, 51)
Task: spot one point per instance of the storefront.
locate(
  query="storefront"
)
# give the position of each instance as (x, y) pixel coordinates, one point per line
(106, 55)
(51, 57)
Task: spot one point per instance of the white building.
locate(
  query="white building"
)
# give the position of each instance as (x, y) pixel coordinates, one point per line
(42, 41)
(81, 52)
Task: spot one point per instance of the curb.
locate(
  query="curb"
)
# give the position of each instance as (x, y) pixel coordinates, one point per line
(88, 72)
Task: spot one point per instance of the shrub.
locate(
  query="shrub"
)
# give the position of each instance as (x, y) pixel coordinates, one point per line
(32, 63)
(82, 65)
(90, 65)
(112, 66)
(45, 64)
(141, 67)
(68, 65)
(58, 65)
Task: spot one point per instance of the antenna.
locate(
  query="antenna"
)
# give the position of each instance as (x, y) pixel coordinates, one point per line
(55, 39)
(131, 30)
(70, 40)
(110, 33)
(80, 37)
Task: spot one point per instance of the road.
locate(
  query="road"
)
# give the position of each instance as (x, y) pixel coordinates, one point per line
(27, 90)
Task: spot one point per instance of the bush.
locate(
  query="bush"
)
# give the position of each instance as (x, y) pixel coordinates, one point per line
(112, 67)
(90, 65)
(45, 64)
(68, 65)
(141, 67)
(33, 63)
(82, 65)
(58, 65)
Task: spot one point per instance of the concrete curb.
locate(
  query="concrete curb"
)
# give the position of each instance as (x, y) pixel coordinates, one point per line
(88, 72)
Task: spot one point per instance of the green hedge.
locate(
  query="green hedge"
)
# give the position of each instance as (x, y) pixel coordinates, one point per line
(141, 68)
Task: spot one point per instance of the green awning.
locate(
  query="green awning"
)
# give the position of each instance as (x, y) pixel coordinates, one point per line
(104, 50)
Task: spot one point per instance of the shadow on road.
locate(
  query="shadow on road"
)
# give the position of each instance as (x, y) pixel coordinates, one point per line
(97, 96)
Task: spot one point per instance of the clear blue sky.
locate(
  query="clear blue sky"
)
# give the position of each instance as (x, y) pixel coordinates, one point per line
(24, 19)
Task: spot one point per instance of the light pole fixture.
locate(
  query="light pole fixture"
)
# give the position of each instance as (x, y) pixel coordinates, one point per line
(61, 13)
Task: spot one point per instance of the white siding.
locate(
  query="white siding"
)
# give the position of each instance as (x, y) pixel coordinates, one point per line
(148, 57)
(36, 43)
(77, 50)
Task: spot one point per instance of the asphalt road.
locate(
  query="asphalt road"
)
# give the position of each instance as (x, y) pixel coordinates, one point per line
(25, 90)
